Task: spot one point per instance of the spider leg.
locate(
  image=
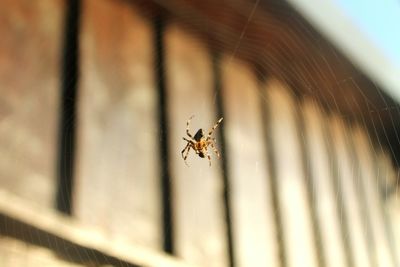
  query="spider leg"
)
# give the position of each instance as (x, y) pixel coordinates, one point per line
(182, 152)
(209, 138)
(208, 156)
(214, 148)
(188, 146)
(214, 127)
(187, 140)
(187, 126)
(187, 153)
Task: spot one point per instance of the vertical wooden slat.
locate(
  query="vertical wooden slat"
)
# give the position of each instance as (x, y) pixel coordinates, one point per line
(347, 172)
(296, 221)
(381, 243)
(361, 195)
(197, 189)
(323, 191)
(272, 175)
(117, 185)
(337, 187)
(386, 181)
(30, 52)
(309, 183)
(253, 224)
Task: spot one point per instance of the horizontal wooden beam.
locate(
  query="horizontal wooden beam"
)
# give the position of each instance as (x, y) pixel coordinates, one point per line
(69, 239)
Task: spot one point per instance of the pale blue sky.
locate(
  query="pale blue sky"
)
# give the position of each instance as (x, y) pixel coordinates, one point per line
(379, 20)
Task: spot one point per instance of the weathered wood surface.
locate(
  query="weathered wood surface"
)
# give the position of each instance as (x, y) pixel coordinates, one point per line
(324, 193)
(197, 189)
(253, 224)
(30, 51)
(299, 240)
(117, 178)
(348, 183)
(390, 197)
(382, 248)
(15, 253)
(117, 186)
(275, 39)
(74, 240)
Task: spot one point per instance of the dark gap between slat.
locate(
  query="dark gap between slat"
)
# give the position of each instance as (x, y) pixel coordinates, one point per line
(224, 159)
(168, 227)
(69, 81)
(271, 163)
(308, 179)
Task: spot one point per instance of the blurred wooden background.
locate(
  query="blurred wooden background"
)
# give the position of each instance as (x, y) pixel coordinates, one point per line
(95, 95)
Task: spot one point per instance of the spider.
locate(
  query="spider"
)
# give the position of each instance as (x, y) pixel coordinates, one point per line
(199, 143)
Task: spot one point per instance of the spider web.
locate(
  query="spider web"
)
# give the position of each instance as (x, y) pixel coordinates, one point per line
(350, 166)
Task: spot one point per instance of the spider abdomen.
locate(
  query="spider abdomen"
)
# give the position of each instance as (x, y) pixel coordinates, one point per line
(198, 135)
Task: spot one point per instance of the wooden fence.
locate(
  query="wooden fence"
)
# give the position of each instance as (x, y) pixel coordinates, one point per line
(296, 185)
